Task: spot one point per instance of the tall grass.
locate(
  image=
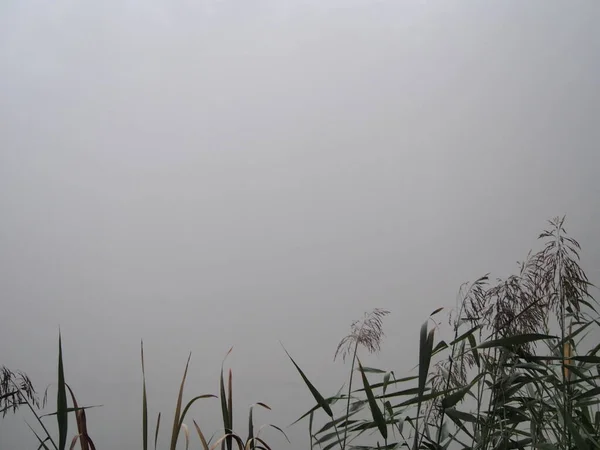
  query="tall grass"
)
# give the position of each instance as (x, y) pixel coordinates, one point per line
(227, 437)
(517, 371)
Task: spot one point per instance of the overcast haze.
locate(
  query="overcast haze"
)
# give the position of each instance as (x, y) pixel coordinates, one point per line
(202, 174)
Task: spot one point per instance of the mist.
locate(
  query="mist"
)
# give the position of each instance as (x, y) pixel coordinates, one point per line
(209, 174)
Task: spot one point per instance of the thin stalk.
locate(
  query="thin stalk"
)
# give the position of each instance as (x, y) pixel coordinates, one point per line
(561, 299)
(42, 424)
(480, 389)
(451, 359)
(350, 390)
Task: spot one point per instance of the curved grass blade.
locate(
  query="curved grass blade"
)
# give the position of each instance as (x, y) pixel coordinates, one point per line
(251, 424)
(189, 405)
(266, 446)
(222, 439)
(276, 428)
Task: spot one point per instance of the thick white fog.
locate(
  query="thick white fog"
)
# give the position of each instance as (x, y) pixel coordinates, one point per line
(202, 174)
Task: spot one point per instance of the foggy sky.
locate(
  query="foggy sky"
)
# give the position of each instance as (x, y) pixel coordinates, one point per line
(202, 174)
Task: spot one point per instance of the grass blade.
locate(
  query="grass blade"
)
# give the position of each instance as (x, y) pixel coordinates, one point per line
(516, 340)
(250, 439)
(201, 436)
(42, 442)
(425, 350)
(176, 420)
(274, 427)
(310, 428)
(230, 406)
(190, 403)
(186, 433)
(375, 411)
(222, 439)
(224, 405)
(81, 422)
(313, 390)
(473, 345)
(156, 430)
(251, 424)
(144, 404)
(61, 401)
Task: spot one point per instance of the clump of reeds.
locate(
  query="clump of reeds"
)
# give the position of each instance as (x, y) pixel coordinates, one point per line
(16, 389)
(514, 373)
(226, 437)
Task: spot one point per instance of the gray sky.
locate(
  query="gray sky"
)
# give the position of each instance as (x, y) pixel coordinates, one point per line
(207, 173)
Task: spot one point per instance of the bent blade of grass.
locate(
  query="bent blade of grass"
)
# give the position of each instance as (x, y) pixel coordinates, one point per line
(375, 411)
(266, 446)
(189, 405)
(436, 311)
(274, 427)
(251, 422)
(235, 437)
(313, 390)
(176, 425)
(61, 400)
